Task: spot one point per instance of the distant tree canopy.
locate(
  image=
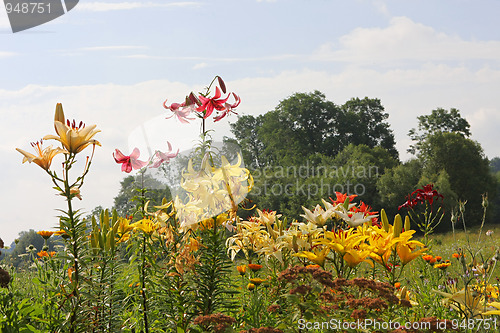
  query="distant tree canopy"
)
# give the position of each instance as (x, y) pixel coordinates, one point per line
(439, 121)
(306, 123)
(155, 192)
(307, 131)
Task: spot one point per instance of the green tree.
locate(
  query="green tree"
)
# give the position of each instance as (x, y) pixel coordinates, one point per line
(466, 165)
(305, 124)
(155, 192)
(287, 187)
(365, 123)
(440, 120)
(245, 130)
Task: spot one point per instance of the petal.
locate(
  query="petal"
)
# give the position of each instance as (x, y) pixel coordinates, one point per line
(119, 157)
(135, 154)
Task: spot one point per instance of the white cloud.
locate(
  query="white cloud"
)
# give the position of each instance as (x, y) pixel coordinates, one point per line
(107, 6)
(200, 65)
(405, 40)
(6, 54)
(112, 48)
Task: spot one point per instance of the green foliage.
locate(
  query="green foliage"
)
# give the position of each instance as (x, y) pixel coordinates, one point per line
(288, 187)
(466, 166)
(16, 258)
(155, 189)
(306, 124)
(212, 283)
(439, 121)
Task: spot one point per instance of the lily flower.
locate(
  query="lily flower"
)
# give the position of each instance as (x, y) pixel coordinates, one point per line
(181, 111)
(406, 250)
(146, 225)
(159, 157)
(73, 137)
(317, 257)
(229, 108)
(354, 257)
(319, 216)
(129, 162)
(43, 157)
(208, 105)
(353, 219)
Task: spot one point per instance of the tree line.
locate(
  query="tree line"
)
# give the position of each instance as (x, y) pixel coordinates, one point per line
(351, 148)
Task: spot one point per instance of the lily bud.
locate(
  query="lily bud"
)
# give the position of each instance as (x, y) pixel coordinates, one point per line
(398, 225)
(59, 114)
(294, 244)
(385, 221)
(407, 223)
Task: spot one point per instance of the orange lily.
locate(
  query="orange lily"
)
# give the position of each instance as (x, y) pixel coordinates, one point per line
(73, 137)
(43, 157)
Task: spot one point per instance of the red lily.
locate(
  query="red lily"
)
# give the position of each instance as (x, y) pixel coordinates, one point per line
(341, 198)
(208, 105)
(129, 162)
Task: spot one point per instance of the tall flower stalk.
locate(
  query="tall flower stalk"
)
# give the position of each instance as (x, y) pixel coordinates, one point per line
(74, 138)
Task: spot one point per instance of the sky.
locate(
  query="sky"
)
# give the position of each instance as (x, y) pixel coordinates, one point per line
(113, 64)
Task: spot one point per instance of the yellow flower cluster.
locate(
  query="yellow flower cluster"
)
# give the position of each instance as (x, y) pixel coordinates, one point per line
(266, 235)
(211, 191)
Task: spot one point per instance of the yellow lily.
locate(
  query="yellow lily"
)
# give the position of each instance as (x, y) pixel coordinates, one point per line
(493, 312)
(317, 257)
(467, 301)
(43, 157)
(146, 225)
(341, 240)
(406, 251)
(73, 137)
(354, 257)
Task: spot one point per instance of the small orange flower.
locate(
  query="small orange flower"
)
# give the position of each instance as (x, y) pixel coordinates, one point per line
(242, 269)
(432, 261)
(251, 286)
(257, 281)
(438, 258)
(254, 267)
(397, 285)
(427, 257)
(43, 254)
(45, 234)
(312, 266)
(443, 265)
(458, 255)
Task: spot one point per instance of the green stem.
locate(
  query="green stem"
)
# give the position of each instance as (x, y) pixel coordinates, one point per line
(73, 233)
(143, 286)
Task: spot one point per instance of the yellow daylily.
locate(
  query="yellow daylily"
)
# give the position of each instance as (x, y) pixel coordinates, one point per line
(341, 240)
(73, 137)
(43, 157)
(406, 251)
(146, 225)
(124, 226)
(317, 257)
(354, 257)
